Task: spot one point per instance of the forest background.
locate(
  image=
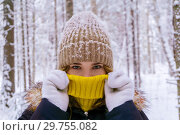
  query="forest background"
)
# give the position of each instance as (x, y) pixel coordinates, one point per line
(144, 38)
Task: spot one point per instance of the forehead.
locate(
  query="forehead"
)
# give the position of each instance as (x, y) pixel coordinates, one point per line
(86, 63)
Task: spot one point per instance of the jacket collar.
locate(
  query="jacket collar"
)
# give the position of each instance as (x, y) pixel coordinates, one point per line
(34, 96)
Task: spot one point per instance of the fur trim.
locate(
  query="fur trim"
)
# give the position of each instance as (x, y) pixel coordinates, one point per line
(34, 96)
(139, 100)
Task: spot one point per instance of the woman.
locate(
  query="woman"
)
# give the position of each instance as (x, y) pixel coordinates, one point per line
(85, 86)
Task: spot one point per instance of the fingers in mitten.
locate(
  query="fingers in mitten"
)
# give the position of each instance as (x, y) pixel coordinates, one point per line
(107, 89)
(115, 74)
(118, 82)
(51, 79)
(59, 79)
(63, 75)
(63, 90)
(128, 85)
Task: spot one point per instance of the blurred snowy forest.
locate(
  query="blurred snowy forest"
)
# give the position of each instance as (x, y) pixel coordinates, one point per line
(144, 38)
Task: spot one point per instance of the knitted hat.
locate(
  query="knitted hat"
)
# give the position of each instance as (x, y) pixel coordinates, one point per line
(84, 39)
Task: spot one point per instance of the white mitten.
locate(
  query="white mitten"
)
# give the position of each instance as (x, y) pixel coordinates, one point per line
(55, 89)
(123, 93)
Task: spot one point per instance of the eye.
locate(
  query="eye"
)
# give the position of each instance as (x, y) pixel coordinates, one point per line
(97, 67)
(76, 67)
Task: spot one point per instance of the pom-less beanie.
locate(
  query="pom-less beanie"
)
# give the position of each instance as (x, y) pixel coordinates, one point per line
(85, 39)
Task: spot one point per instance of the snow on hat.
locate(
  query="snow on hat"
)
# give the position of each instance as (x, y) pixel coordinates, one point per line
(85, 39)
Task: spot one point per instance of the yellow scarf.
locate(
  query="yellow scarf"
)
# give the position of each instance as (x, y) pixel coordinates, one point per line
(86, 90)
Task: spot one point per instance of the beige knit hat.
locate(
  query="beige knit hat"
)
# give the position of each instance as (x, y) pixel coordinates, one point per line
(84, 39)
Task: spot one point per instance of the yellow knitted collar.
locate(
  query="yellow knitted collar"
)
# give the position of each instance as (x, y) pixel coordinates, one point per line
(86, 90)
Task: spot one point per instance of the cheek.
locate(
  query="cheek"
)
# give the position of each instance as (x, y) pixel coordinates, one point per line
(75, 72)
(90, 72)
(71, 71)
(99, 72)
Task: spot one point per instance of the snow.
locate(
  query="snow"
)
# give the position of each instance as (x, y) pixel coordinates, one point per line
(177, 17)
(3, 115)
(162, 96)
(160, 88)
(16, 106)
(176, 2)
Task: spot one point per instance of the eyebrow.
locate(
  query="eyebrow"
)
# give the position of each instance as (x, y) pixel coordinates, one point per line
(76, 63)
(96, 63)
(92, 64)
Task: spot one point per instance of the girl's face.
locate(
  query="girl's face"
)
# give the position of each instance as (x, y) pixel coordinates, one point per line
(86, 69)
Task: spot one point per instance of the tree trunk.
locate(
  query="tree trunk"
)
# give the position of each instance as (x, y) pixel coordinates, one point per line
(93, 6)
(126, 36)
(69, 9)
(148, 45)
(168, 57)
(134, 46)
(8, 61)
(28, 46)
(56, 33)
(16, 43)
(23, 45)
(138, 46)
(63, 15)
(176, 24)
(33, 43)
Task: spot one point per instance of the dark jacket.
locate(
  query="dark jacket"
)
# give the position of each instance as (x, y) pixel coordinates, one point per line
(48, 111)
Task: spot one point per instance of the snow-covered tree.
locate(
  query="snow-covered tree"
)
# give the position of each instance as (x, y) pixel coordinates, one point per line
(176, 24)
(8, 83)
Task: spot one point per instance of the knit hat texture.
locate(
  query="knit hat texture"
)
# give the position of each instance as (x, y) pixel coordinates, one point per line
(85, 39)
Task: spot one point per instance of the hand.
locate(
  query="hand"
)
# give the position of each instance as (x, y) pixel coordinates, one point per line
(118, 89)
(55, 89)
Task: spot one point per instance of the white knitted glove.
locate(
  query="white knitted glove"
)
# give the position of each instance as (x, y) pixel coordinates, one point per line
(123, 93)
(55, 89)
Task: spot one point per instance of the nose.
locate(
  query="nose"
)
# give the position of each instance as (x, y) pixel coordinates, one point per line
(86, 74)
